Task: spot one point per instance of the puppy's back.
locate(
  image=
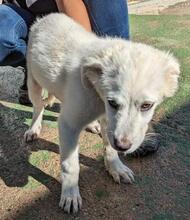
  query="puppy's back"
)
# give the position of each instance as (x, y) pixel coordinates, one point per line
(57, 31)
(54, 41)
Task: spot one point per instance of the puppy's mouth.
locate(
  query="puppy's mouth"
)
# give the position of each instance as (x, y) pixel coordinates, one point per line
(124, 149)
(134, 147)
(111, 140)
(131, 150)
(119, 149)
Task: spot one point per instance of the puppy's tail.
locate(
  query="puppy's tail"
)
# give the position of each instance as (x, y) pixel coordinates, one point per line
(49, 100)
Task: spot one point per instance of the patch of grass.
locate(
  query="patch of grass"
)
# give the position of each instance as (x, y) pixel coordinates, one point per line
(102, 193)
(49, 124)
(32, 183)
(28, 121)
(97, 146)
(40, 157)
(17, 106)
(167, 32)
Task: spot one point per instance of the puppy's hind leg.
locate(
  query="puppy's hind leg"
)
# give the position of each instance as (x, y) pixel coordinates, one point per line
(111, 159)
(35, 95)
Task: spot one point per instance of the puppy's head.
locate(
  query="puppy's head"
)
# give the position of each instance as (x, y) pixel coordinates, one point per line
(132, 79)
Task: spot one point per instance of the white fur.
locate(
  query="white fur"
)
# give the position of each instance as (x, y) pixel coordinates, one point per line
(84, 71)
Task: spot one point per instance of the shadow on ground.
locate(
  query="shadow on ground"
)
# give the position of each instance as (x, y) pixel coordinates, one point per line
(14, 164)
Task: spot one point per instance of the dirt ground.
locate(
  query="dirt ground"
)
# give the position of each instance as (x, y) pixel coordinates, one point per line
(178, 9)
(30, 181)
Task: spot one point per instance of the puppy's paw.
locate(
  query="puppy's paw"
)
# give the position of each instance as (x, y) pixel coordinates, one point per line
(118, 170)
(94, 127)
(32, 134)
(71, 200)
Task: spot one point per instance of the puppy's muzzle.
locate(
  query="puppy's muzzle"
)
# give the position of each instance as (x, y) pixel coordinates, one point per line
(122, 145)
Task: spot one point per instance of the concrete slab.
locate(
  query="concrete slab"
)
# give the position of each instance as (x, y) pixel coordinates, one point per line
(151, 7)
(10, 81)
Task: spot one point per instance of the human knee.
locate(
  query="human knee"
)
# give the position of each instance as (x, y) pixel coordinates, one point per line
(6, 24)
(12, 29)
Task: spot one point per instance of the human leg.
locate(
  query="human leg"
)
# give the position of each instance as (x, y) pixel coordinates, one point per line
(107, 18)
(14, 26)
(14, 31)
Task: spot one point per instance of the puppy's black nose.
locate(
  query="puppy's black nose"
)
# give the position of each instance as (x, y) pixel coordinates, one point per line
(122, 145)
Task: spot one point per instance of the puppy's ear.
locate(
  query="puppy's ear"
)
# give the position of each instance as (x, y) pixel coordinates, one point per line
(90, 72)
(171, 77)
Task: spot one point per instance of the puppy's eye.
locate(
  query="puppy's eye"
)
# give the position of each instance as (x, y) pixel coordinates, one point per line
(113, 104)
(146, 106)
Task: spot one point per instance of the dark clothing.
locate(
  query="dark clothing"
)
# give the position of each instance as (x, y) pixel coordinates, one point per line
(36, 7)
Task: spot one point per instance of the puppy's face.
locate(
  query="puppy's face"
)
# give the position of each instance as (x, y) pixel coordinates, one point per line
(132, 79)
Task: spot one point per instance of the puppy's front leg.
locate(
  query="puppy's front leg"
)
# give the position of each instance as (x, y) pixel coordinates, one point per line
(70, 196)
(111, 159)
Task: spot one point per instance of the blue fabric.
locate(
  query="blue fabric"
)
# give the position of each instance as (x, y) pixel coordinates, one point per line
(14, 23)
(109, 17)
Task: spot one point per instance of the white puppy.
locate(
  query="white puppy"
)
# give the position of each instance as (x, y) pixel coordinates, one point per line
(118, 81)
